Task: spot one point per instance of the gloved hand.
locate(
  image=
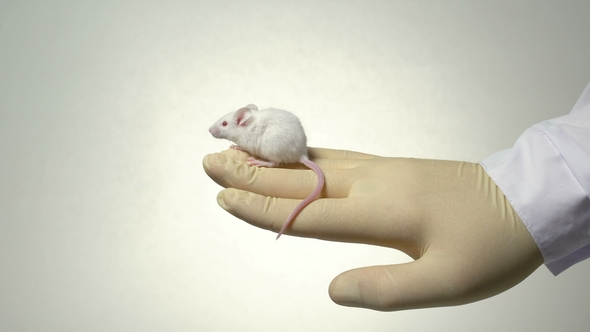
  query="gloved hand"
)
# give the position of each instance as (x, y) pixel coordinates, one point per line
(465, 238)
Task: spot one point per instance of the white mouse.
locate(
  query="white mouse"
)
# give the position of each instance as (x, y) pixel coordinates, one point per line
(274, 135)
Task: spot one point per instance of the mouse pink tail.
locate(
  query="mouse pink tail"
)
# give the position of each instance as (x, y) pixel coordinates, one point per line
(310, 198)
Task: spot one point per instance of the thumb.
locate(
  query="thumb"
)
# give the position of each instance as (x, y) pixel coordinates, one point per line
(418, 284)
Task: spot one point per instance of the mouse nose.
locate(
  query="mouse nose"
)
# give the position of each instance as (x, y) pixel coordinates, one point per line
(214, 131)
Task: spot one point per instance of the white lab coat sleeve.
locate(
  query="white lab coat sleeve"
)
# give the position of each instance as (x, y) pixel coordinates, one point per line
(546, 178)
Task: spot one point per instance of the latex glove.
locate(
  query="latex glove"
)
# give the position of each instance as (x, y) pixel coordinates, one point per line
(467, 242)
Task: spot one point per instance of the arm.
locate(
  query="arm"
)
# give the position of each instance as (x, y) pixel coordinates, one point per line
(546, 177)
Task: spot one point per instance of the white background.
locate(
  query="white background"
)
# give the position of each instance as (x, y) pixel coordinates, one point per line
(109, 223)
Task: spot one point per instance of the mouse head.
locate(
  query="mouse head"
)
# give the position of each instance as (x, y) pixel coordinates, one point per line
(233, 125)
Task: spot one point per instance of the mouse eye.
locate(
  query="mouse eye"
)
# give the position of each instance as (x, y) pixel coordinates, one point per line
(224, 123)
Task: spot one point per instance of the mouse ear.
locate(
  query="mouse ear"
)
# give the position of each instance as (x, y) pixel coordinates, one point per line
(252, 107)
(242, 115)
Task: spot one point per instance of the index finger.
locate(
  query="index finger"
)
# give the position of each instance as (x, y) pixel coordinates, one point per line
(229, 169)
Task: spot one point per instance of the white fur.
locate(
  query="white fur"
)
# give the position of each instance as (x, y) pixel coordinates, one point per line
(270, 134)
